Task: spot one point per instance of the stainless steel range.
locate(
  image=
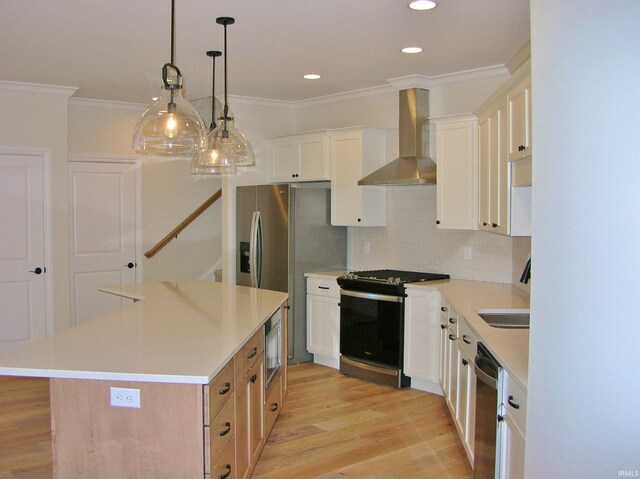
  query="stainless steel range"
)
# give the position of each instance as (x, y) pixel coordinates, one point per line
(372, 323)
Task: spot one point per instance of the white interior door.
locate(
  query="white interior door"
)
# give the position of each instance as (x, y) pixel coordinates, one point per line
(23, 311)
(103, 223)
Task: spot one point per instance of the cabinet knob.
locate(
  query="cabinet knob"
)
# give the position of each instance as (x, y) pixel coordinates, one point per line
(452, 320)
(437, 222)
(253, 378)
(452, 337)
(464, 362)
(484, 223)
(443, 326)
(521, 148)
(443, 308)
(359, 220)
(274, 407)
(495, 225)
(465, 339)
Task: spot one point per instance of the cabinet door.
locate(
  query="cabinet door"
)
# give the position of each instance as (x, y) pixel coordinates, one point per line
(520, 120)
(456, 154)
(468, 436)
(422, 324)
(284, 161)
(452, 367)
(484, 183)
(513, 444)
(249, 419)
(353, 156)
(444, 356)
(314, 161)
(323, 326)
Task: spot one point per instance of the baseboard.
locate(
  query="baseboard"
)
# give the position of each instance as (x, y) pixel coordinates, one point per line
(426, 386)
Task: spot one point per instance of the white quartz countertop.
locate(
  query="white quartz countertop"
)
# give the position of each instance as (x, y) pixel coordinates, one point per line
(176, 332)
(509, 346)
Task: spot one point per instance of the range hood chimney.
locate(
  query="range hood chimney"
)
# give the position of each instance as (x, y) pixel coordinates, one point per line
(413, 167)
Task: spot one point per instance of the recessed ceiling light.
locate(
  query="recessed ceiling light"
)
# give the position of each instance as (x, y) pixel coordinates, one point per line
(312, 76)
(422, 5)
(411, 50)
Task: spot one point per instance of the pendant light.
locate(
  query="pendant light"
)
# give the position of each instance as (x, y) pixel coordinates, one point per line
(171, 126)
(227, 146)
(203, 163)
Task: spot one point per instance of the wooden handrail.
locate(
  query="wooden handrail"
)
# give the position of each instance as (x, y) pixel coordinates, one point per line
(187, 221)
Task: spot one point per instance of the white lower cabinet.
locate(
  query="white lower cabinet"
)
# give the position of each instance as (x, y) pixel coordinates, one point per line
(323, 320)
(513, 429)
(421, 338)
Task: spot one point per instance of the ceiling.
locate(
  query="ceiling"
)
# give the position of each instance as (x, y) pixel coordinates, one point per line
(115, 49)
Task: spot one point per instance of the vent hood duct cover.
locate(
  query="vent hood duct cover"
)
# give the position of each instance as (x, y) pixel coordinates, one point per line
(413, 167)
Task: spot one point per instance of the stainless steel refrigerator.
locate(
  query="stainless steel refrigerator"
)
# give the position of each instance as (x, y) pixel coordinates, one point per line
(282, 232)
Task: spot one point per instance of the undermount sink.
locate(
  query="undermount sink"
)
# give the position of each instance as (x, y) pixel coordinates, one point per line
(505, 318)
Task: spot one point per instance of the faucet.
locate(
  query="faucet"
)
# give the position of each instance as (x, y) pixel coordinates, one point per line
(526, 273)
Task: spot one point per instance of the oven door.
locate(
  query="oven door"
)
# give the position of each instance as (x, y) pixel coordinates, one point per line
(372, 327)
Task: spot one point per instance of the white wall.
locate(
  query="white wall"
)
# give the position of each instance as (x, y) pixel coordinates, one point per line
(410, 239)
(32, 119)
(169, 191)
(583, 416)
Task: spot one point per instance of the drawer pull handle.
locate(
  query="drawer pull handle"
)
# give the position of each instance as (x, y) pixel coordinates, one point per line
(452, 337)
(254, 378)
(227, 430)
(443, 309)
(452, 320)
(465, 338)
(274, 407)
(512, 404)
(323, 287)
(228, 473)
(253, 352)
(227, 388)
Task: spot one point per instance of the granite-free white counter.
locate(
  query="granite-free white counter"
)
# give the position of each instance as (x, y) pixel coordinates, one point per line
(509, 346)
(177, 332)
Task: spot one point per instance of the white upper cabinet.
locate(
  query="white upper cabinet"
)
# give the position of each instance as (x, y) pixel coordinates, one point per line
(356, 152)
(299, 157)
(520, 120)
(456, 155)
(504, 158)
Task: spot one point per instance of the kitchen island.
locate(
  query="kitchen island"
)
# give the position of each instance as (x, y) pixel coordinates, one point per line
(169, 349)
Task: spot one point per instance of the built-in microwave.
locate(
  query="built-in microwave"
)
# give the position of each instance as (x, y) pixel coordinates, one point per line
(272, 347)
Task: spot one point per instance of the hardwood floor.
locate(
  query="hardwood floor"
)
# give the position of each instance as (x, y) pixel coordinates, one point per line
(332, 426)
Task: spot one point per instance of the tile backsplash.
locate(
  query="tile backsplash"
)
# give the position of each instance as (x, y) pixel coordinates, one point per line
(411, 241)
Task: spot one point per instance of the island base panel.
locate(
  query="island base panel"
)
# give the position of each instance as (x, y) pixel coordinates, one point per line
(161, 439)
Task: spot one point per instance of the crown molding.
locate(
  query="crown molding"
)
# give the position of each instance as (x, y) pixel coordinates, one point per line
(347, 96)
(450, 79)
(254, 101)
(520, 57)
(108, 104)
(42, 89)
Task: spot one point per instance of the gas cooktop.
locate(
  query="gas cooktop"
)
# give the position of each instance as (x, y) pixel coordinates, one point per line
(385, 280)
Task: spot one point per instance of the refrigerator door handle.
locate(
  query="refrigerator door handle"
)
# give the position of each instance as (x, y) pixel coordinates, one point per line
(252, 251)
(258, 250)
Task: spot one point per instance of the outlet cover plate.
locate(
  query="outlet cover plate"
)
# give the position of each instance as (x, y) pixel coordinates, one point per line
(125, 397)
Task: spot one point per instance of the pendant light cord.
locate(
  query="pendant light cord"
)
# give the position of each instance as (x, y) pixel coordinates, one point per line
(213, 54)
(173, 12)
(225, 132)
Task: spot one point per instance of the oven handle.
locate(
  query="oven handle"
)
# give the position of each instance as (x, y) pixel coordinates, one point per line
(379, 297)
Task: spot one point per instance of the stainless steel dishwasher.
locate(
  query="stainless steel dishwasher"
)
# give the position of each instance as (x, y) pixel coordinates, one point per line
(487, 371)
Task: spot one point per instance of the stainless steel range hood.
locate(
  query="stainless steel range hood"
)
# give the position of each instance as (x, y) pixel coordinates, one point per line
(413, 167)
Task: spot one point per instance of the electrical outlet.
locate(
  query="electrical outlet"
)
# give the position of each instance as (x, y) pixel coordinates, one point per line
(125, 397)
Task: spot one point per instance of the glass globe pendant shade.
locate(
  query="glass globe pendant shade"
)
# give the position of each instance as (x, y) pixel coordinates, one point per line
(170, 127)
(227, 148)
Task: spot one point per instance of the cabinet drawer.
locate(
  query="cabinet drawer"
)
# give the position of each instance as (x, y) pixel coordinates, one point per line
(272, 405)
(468, 339)
(323, 287)
(219, 433)
(225, 466)
(218, 391)
(515, 402)
(247, 356)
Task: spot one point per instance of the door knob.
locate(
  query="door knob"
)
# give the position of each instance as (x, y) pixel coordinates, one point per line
(38, 270)
(130, 265)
